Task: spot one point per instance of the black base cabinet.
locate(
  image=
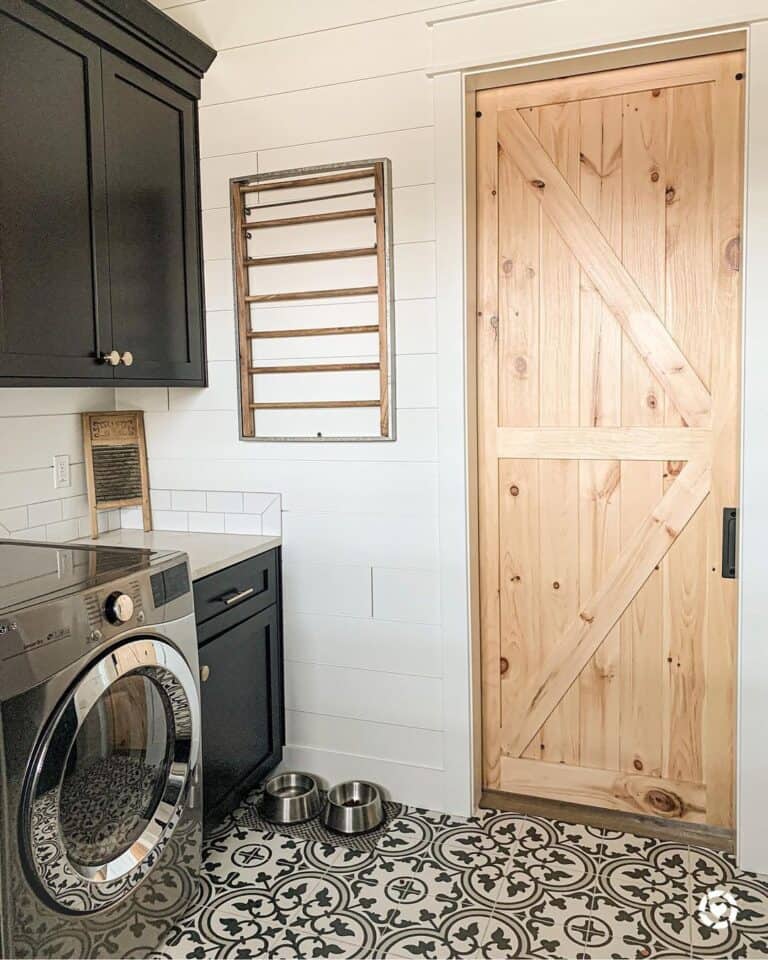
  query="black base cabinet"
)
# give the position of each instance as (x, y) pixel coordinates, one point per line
(241, 669)
(100, 240)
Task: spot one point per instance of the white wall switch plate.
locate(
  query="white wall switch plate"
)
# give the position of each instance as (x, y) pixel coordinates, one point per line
(61, 476)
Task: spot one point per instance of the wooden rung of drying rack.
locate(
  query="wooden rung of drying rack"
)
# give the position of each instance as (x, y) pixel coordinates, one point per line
(245, 262)
(363, 174)
(309, 257)
(315, 368)
(311, 332)
(311, 218)
(315, 405)
(311, 295)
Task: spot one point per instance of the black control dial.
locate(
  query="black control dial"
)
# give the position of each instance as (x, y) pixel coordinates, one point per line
(118, 607)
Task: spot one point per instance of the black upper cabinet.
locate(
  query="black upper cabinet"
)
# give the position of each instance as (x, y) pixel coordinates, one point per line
(100, 246)
(54, 281)
(154, 237)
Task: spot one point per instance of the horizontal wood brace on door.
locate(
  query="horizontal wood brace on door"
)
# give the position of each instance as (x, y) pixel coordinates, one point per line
(614, 790)
(602, 443)
(618, 82)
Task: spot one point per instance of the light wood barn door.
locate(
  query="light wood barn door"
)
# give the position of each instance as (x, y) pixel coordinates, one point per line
(608, 254)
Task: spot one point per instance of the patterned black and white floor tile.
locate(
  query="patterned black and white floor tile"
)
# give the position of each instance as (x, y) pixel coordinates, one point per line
(498, 885)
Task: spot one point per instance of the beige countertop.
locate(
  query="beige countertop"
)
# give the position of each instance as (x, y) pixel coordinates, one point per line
(208, 552)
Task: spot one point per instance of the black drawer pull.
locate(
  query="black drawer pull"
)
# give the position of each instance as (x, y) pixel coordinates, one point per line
(232, 596)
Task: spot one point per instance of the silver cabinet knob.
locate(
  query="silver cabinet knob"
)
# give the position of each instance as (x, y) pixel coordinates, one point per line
(205, 672)
(112, 358)
(127, 358)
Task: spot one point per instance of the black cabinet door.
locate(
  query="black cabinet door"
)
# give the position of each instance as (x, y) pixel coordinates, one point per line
(241, 705)
(54, 281)
(154, 226)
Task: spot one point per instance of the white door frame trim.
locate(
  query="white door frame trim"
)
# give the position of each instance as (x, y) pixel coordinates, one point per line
(456, 418)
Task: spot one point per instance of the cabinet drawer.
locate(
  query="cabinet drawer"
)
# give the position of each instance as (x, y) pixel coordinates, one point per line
(250, 586)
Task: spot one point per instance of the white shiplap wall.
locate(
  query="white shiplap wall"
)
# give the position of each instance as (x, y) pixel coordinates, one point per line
(35, 425)
(296, 84)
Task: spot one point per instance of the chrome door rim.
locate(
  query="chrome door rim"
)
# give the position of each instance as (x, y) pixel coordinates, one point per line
(81, 888)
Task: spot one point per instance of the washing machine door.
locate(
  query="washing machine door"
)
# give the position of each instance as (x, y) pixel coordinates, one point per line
(111, 776)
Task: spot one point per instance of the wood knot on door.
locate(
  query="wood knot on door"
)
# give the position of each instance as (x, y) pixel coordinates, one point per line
(539, 184)
(664, 803)
(733, 254)
(503, 665)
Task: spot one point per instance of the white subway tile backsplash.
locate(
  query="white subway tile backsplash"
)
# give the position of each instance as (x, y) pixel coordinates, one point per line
(272, 519)
(224, 502)
(108, 520)
(170, 520)
(206, 522)
(131, 518)
(31, 533)
(160, 499)
(258, 502)
(14, 519)
(62, 531)
(74, 507)
(187, 500)
(48, 512)
(242, 523)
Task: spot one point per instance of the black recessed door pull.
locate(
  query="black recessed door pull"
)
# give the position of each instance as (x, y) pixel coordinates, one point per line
(235, 596)
(730, 531)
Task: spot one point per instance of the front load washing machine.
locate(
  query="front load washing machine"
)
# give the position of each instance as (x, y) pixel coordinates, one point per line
(100, 794)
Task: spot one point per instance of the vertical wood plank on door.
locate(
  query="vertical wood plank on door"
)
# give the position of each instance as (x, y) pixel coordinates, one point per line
(719, 719)
(688, 313)
(599, 545)
(643, 218)
(518, 299)
(487, 412)
(600, 406)
(559, 134)
(519, 543)
(519, 259)
(600, 178)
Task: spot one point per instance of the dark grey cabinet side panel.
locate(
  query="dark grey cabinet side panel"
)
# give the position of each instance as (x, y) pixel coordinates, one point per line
(154, 226)
(54, 271)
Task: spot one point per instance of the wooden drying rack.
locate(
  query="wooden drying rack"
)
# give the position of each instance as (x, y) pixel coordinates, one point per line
(379, 210)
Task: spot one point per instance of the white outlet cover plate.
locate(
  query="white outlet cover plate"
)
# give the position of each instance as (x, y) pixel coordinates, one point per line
(61, 474)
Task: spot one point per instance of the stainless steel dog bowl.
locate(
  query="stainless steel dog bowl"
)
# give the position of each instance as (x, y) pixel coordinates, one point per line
(291, 798)
(353, 807)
